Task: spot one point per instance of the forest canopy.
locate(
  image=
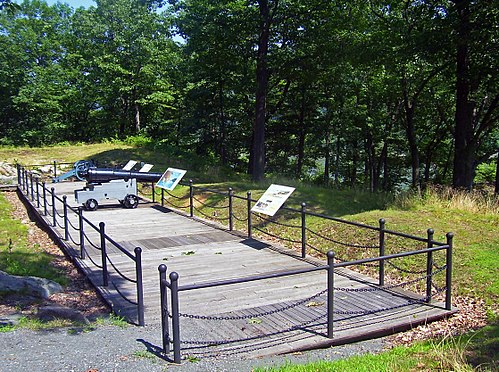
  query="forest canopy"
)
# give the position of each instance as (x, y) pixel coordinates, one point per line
(372, 94)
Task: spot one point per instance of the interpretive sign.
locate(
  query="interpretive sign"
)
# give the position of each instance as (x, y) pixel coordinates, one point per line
(170, 178)
(272, 199)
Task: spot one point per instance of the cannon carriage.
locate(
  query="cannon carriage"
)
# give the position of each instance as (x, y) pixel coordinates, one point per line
(108, 183)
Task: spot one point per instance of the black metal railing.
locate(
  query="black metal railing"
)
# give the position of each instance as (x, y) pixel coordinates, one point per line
(302, 236)
(71, 220)
(171, 338)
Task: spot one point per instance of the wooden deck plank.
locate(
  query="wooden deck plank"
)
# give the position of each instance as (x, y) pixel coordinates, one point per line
(200, 253)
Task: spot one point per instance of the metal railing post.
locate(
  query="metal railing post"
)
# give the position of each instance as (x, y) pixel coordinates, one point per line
(250, 233)
(23, 180)
(31, 187)
(37, 192)
(18, 167)
(381, 251)
(82, 233)
(448, 273)
(429, 265)
(54, 210)
(55, 169)
(231, 220)
(330, 293)
(103, 253)
(165, 331)
(175, 317)
(65, 209)
(191, 197)
(303, 231)
(44, 192)
(140, 287)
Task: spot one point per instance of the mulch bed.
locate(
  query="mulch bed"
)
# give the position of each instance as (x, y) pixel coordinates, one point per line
(78, 294)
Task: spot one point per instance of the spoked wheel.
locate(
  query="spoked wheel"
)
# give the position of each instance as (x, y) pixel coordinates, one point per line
(131, 201)
(91, 205)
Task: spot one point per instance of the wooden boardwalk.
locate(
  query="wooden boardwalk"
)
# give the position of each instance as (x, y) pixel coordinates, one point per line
(258, 318)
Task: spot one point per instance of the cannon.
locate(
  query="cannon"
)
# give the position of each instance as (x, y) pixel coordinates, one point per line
(104, 183)
(79, 169)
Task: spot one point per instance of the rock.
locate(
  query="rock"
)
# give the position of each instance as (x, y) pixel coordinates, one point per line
(51, 312)
(33, 285)
(10, 320)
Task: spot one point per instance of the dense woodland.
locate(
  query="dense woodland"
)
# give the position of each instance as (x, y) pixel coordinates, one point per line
(373, 94)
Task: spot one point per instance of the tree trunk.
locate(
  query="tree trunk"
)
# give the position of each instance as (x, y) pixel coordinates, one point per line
(302, 135)
(262, 81)
(464, 162)
(327, 155)
(221, 145)
(410, 130)
(137, 118)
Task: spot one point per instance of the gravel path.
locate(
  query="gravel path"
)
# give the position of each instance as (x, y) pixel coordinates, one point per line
(112, 348)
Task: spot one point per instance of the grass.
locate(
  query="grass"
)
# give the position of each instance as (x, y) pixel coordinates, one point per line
(17, 256)
(114, 320)
(38, 325)
(473, 351)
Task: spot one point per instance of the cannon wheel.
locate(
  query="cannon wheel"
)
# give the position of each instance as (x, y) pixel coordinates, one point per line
(81, 167)
(131, 201)
(91, 205)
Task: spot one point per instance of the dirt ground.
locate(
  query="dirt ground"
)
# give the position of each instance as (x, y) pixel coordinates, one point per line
(78, 294)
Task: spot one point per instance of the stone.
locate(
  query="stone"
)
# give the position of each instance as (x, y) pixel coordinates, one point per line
(32, 285)
(10, 319)
(51, 312)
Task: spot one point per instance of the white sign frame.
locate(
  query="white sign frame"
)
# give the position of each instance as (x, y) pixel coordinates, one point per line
(171, 178)
(272, 199)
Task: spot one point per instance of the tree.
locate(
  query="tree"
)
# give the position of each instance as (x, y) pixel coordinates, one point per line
(477, 85)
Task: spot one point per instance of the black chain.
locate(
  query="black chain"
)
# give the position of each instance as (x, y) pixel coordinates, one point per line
(266, 313)
(373, 289)
(208, 216)
(276, 236)
(277, 222)
(173, 196)
(213, 206)
(72, 240)
(342, 243)
(292, 328)
(73, 226)
(90, 242)
(240, 219)
(176, 206)
(405, 270)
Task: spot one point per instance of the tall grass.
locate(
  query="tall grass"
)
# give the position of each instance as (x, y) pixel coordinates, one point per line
(477, 201)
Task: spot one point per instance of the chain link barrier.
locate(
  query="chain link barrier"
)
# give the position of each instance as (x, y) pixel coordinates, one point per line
(276, 236)
(173, 196)
(405, 270)
(262, 314)
(277, 222)
(351, 245)
(388, 287)
(213, 206)
(210, 217)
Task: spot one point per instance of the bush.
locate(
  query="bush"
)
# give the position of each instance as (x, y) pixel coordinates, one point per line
(485, 173)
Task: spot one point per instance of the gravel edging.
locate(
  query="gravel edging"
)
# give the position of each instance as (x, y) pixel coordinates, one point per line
(112, 348)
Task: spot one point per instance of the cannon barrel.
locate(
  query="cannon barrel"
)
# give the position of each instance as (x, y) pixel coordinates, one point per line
(96, 175)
